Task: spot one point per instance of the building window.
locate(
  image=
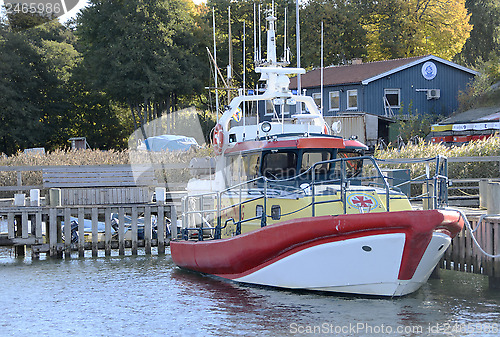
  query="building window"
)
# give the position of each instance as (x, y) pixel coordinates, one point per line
(392, 98)
(269, 108)
(334, 100)
(317, 99)
(273, 108)
(352, 99)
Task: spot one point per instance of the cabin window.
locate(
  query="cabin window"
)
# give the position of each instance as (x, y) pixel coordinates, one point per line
(236, 169)
(251, 166)
(317, 99)
(309, 158)
(352, 99)
(392, 98)
(279, 165)
(353, 166)
(334, 100)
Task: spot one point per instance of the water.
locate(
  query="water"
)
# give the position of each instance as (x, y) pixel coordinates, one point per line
(150, 296)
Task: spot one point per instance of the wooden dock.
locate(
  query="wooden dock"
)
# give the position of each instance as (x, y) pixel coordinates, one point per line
(44, 229)
(464, 255)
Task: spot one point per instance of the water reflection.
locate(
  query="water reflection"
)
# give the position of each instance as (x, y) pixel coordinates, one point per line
(149, 296)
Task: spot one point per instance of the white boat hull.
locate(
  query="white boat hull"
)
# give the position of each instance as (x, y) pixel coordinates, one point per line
(345, 267)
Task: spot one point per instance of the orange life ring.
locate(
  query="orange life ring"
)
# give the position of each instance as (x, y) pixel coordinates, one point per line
(325, 129)
(218, 139)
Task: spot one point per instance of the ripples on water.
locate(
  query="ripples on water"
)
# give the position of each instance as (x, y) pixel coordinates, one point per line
(149, 296)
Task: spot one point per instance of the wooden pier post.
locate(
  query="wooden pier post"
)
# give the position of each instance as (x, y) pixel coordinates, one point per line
(161, 229)
(147, 229)
(67, 233)
(95, 233)
(20, 250)
(134, 231)
(81, 231)
(121, 231)
(107, 232)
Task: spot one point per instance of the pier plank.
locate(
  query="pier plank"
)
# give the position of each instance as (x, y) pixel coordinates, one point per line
(134, 230)
(53, 232)
(161, 229)
(38, 227)
(81, 231)
(25, 225)
(107, 232)
(121, 231)
(10, 226)
(95, 232)
(67, 232)
(147, 229)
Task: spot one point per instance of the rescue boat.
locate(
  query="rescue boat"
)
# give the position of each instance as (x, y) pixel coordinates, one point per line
(292, 206)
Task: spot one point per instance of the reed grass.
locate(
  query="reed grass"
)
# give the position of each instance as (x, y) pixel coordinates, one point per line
(97, 157)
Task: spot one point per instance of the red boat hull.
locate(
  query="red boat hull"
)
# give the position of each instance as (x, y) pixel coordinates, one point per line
(236, 257)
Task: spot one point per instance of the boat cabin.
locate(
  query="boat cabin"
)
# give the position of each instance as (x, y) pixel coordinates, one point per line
(290, 159)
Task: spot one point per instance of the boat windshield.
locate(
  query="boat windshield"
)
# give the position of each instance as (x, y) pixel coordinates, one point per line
(309, 158)
(279, 165)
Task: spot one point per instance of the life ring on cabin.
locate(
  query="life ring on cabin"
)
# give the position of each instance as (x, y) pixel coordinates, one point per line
(325, 129)
(218, 138)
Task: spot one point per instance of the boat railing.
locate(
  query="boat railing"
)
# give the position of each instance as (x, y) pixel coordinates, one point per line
(203, 213)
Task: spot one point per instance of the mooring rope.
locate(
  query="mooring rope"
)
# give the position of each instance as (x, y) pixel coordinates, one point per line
(472, 231)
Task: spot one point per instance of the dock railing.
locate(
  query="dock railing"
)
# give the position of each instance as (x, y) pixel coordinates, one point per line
(62, 230)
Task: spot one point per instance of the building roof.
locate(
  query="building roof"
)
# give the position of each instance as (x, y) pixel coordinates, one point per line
(365, 73)
(484, 114)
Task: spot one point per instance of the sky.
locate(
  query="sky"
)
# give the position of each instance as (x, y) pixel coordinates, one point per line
(82, 3)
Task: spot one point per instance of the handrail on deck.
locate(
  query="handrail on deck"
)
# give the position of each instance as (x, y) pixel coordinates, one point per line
(437, 194)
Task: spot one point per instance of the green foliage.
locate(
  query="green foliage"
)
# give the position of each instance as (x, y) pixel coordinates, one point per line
(410, 126)
(141, 53)
(25, 82)
(344, 36)
(484, 41)
(484, 90)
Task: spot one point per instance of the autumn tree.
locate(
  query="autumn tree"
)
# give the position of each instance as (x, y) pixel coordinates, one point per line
(405, 28)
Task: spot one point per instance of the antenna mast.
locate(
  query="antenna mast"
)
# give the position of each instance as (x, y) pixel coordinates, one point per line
(322, 68)
(230, 66)
(215, 69)
(254, 37)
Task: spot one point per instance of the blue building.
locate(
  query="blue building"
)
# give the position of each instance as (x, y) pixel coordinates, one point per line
(416, 85)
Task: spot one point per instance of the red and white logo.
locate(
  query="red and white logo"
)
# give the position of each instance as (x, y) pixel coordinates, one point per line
(362, 201)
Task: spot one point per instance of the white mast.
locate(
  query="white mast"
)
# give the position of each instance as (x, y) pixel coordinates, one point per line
(322, 69)
(215, 70)
(260, 39)
(244, 75)
(271, 38)
(297, 30)
(230, 66)
(254, 37)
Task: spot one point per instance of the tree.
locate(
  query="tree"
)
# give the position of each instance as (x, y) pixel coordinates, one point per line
(23, 79)
(405, 28)
(140, 53)
(344, 36)
(484, 41)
